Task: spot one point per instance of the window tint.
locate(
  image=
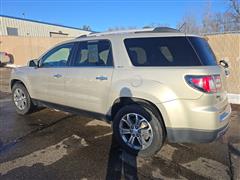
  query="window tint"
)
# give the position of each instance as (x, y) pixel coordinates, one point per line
(57, 57)
(161, 51)
(97, 53)
(204, 51)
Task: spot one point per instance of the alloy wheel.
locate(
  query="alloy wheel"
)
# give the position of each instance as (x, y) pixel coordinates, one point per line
(20, 99)
(136, 131)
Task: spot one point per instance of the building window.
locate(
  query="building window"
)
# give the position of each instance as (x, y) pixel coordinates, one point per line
(58, 34)
(12, 31)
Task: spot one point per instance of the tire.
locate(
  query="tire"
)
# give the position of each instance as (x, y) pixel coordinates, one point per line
(148, 124)
(27, 105)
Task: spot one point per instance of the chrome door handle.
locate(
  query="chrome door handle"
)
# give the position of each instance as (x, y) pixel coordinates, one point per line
(57, 75)
(101, 78)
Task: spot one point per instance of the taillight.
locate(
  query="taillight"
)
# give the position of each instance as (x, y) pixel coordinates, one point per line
(208, 83)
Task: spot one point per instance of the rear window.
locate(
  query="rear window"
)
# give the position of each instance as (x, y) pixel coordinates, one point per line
(204, 51)
(166, 51)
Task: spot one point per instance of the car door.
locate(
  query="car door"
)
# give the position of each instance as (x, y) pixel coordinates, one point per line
(88, 81)
(48, 79)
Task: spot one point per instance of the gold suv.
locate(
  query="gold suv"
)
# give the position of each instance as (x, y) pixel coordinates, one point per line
(152, 84)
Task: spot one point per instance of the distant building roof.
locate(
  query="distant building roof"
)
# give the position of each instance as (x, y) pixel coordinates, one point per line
(30, 20)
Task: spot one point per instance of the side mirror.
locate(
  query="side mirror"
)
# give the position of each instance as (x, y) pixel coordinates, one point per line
(223, 63)
(33, 63)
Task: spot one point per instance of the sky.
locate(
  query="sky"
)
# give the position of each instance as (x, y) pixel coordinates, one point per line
(104, 14)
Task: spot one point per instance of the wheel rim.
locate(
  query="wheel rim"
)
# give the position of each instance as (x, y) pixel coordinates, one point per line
(136, 131)
(20, 99)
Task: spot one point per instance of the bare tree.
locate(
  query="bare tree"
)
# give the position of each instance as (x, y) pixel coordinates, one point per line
(189, 24)
(119, 28)
(234, 13)
(208, 23)
(235, 8)
(214, 22)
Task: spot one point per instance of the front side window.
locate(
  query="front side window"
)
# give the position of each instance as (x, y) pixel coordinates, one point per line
(94, 53)
(161, 51)
(58, 57)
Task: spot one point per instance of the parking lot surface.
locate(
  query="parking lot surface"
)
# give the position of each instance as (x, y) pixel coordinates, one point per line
(49, 144)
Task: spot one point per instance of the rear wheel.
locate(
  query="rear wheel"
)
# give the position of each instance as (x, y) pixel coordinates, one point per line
(21, 99)
(138, 130)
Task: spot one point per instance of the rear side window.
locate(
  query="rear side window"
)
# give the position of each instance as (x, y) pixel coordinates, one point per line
(204, 51)
(94, 53)
(161, 51)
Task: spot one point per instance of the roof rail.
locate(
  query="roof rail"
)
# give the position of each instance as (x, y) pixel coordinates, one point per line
(82, 36)
(120, 32)
(161, 30)
(146, 30)
(86, 35)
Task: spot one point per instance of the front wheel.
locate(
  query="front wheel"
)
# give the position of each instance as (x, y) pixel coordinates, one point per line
(21, 99)
(138, 130)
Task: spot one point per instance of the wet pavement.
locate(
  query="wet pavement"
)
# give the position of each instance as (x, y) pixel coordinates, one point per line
(54, 145)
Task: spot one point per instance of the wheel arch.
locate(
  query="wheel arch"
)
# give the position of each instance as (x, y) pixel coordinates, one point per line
(122, 101)
(14, 81)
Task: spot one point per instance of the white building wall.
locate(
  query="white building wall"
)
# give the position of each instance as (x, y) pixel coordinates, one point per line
(29, 28)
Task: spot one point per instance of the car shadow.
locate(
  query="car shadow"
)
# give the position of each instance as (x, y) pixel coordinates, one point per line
(121, 164)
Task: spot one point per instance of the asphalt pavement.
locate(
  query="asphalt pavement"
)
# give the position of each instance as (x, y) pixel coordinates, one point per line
(50, 144)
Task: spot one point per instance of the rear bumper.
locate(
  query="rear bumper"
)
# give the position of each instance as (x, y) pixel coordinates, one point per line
(189, 122)
(195, 136)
